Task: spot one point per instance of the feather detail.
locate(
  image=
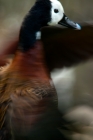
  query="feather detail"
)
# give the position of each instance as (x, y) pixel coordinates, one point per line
(27, 97)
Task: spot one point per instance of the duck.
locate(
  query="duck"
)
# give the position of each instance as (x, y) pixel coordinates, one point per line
(66, 35)
(28, 99)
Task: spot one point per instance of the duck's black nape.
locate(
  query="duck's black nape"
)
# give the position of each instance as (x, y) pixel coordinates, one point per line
(38, 16)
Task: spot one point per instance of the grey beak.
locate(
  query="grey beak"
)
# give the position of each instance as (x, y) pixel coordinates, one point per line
(68, 23)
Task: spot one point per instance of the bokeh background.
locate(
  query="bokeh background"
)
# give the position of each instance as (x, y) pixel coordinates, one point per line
(74, 85)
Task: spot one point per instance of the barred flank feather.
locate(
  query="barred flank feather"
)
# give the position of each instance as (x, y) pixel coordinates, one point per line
(4, 104)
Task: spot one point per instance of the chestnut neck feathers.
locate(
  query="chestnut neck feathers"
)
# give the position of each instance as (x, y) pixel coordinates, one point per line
(37, 17)
(31, 64)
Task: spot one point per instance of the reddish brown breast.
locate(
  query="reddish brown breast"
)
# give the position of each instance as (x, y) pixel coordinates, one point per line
(31, 64)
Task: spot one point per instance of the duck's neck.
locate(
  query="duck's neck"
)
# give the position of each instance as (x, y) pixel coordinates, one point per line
(32, 64)
(29, 32)
(28, 38)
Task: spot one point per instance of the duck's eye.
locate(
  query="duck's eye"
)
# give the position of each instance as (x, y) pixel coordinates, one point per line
(56, 10)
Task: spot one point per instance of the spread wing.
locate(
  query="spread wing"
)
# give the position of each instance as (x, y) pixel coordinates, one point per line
(63, 47)
(67, 47)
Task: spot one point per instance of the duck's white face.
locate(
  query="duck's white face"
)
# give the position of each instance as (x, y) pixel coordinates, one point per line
(57, 12)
